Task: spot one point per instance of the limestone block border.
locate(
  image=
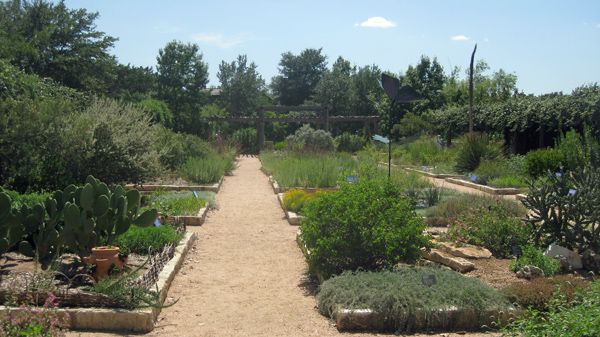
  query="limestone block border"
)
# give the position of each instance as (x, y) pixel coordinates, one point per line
(447, 319)
(431, 174)
(189, 220)
(292, 217)
(521, 196)
(484, 188)
(153, 187)
(139, 320)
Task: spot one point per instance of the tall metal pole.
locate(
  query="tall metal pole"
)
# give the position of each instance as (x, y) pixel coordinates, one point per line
(390, 140)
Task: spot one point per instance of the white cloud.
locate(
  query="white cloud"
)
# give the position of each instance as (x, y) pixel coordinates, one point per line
(377, 22)
(220, 40)
(460, 38)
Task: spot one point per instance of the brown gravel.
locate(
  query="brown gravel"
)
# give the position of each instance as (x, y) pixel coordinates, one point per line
(245, 275)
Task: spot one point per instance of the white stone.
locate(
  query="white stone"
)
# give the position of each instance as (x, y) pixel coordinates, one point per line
(572, 257)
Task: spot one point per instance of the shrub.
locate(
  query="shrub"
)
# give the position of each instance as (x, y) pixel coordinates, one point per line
(578, 318)
(310, 140)
(491, 169)
(578, 150)
(307, 170)
(176, 148)
(538, 292)
(410, 125)
(535, 257)
(490, 228)
(28, 199)
(425, 151)
(280, 146)
(159, 111)
(400, 294)
(564, 209)
(295, 200)
(348, 142)
(207, 169)
(511, 181)
(176, 203)
(139, 240)
(462, 204)
(473, 149)
(368, 225)
(539, 162)
(245, 140)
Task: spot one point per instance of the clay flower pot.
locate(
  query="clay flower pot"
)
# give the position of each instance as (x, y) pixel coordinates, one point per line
(104, 257)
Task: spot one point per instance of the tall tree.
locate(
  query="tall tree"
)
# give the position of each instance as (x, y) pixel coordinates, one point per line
(367, 90)
(182, 76)
(54, 41)
(132, 83)
(241, 86)
(335, 91)
(299, 76)
(427, 78)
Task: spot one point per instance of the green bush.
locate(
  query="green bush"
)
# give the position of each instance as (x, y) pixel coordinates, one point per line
(473, 149)
(176, 148)
(577, 318)
(308, 169)
(368, 225)
(532, 256)
(461, 205)
(539, 162)
(398, 295)
(159, 111)
(425, 151)
(176, 203)
(308, 139)
(280, 146)
(138, 240)
(245, 140)
(208, 169)
(512, 181)
(29, 199)
(348, 142)
(491, 228)
(491, 169)
(295, 200)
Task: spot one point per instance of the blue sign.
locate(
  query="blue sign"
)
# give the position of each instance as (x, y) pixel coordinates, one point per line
(382, 139)
(157, 222)
(351, 179)
(195, 194)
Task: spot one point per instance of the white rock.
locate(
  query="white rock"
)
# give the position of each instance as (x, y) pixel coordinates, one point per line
(573, 258)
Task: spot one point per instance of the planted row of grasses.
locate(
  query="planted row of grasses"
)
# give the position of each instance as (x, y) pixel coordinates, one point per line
(209, 168)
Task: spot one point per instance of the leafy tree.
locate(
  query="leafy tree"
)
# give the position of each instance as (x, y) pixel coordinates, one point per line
(133, 84)
(182, 75)
(367, 90)
(53, 41)
(427, 78)
(241, 86)
(159, 110)
(299, 76)
(335, 91)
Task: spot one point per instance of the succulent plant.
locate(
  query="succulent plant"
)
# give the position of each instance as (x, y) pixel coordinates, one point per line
(10, 230)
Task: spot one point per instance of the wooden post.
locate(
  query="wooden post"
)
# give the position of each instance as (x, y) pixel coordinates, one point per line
(260, 130)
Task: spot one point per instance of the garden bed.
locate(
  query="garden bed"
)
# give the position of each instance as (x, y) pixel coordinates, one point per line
(176, 187)
(280, 189)
(485, 188)
(432, 174)
(107, 319)
(292, 217)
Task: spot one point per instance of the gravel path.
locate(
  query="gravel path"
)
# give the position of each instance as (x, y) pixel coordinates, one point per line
(245, 275)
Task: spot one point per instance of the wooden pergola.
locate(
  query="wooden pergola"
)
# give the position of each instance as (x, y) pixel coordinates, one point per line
(322, 118)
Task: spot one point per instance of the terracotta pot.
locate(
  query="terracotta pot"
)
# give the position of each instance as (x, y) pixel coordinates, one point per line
(104, 258)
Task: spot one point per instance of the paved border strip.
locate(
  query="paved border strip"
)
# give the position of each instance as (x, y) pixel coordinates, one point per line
(484, 188)
(153, 187)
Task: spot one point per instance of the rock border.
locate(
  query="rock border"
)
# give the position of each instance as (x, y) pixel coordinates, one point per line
(139, 320)
(153, 187)
(448, 319)
(484, 188)
(189, 220)
(292, 217)
(432, 175)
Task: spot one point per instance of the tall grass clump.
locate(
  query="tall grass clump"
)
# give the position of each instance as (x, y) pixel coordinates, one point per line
(398, 295)
(207, 169)
(308, 169)
(473, 149)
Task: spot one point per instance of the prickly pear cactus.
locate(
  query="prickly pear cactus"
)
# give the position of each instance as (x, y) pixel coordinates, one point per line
(10, 230)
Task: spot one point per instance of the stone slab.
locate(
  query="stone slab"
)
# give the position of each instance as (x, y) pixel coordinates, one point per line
(153, 187)
(189, 220)
(466, 251)
(431, 174)
(484, 188)
(456, 263)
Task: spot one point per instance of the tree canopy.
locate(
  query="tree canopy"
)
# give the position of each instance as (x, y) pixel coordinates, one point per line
(241, 86)
(298, 76)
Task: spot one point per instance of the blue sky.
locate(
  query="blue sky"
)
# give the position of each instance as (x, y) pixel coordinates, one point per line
(549, 45)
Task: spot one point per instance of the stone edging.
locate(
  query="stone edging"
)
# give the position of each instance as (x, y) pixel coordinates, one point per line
(521, 196)
(292, 217)
(139, 320)
(153, 187)
(484, 188)
(447, 319)
(189, 220)
(432, 175)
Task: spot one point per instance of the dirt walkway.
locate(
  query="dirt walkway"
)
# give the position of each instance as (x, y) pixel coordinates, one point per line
(245, 276)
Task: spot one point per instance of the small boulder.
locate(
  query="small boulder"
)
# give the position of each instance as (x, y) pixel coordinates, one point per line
(572, 257)
(466, 251)
(530, 272)
(457, 263)
(591, 260)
